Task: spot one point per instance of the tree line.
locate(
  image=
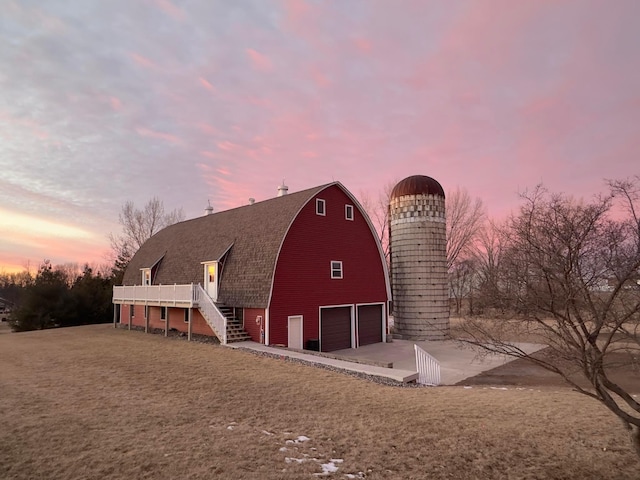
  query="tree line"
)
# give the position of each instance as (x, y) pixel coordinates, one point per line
(69, 295)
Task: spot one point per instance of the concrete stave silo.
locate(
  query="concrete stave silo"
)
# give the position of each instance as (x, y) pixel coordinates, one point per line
(417, 235)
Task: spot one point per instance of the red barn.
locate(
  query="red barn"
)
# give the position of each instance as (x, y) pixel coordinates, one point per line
(304, 270)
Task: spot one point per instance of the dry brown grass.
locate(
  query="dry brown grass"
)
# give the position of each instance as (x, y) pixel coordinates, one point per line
(96, 402)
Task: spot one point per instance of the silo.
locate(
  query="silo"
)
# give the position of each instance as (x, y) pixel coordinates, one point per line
(418, 241)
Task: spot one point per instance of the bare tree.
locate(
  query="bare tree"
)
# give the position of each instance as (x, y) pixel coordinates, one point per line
(465, 221)
(378, 210)
(572, 271)
(138, 225)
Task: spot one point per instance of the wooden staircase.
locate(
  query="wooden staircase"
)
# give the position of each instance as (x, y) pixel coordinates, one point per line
(235, 331)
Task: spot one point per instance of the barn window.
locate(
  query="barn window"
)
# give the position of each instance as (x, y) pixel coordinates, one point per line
(186, 315)
(348, 212)
(146, 311)
(320, 207)
(336, 269)
(163, 313)
(132, 311)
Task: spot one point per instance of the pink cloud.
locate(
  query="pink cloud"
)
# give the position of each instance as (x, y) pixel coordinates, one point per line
(206, 84)
(259, 61)
(363, 45)
(207, 128)
(170, 9)
(142, 61)
(145, 132)
(115, 102)
(226, 145)
(208, 154)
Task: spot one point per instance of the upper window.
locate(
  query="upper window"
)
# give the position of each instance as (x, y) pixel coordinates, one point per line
(132, 311)
(348, 212)
(336, 269)
(163, 313)
(186, 315)
(320, 207)
(146, 276)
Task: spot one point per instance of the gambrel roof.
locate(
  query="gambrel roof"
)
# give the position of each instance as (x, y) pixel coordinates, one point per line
(250, 236)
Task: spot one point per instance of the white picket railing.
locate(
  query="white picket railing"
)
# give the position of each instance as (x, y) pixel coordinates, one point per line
(428, 368)
(177, 295)
(214, 317)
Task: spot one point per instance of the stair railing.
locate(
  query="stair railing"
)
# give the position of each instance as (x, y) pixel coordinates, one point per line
(214, 317)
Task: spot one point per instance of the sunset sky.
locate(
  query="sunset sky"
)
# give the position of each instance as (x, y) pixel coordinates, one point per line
(193, 100)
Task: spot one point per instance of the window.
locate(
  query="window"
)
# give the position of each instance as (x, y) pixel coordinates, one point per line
(348, 212)
(163, 313)
(132, 311)
(146, 311)
(336, 269)
(186, 315)
(146, 276)
(320, 207)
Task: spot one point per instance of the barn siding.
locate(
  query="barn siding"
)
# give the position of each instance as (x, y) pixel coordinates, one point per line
(250, 325)
(302, 281)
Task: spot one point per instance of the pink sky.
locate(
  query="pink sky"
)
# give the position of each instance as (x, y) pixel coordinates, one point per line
(104, 102)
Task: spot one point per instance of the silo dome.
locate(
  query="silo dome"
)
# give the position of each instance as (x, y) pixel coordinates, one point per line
(417, 185)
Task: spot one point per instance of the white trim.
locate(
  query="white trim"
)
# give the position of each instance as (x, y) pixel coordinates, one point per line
(320, 201)
(384, 318)
(332, 269)
(353, 323)
(146, 281)
(348, 207)
(289, 318)
(216, 279)
(266, 322)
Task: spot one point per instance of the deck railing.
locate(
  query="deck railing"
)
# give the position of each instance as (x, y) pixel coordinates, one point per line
(428, 367)
(166, 295)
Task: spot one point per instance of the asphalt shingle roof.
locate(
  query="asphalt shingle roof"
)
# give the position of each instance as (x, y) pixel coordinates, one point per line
(253, 232)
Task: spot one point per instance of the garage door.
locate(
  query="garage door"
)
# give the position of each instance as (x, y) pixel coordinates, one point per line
(335, 328)
(369, 324)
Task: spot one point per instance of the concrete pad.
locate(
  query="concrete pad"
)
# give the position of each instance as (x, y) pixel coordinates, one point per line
(397, 374)
(457, 360)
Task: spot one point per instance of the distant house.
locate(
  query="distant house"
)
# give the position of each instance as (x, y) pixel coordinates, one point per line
(5, 309)
(303, 270)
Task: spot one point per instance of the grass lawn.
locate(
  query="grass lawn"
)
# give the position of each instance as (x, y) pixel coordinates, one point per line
(96, 402)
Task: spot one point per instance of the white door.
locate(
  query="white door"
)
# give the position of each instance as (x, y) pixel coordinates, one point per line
(295, 332)
(211, 279)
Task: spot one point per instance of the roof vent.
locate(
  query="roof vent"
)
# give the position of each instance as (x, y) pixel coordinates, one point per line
(252, 201)
(209, 209)
(282, 189)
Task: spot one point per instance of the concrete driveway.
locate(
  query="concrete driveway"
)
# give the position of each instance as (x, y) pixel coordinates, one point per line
(457, 361)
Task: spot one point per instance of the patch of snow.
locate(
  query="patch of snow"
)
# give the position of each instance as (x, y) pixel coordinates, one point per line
(354, 475)
(266, 432)
(499, 388)
(230, 427)
(466, 387)
(300, 439)
(293, 459)
(283, 449)
(329, 468)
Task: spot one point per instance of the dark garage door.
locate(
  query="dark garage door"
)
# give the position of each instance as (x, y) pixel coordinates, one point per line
(369, 324)
(335, 329)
